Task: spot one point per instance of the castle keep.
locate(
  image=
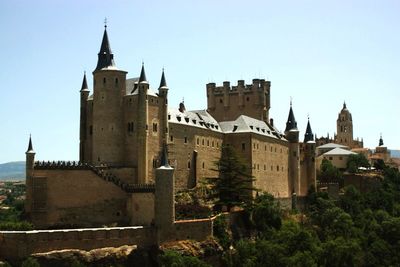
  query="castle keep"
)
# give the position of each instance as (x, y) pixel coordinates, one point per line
(126, 127)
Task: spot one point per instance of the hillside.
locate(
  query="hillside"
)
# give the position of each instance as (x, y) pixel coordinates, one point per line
(12, 170)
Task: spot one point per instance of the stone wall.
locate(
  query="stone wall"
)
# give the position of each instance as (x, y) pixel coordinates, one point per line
(75, 197)
(16, 245)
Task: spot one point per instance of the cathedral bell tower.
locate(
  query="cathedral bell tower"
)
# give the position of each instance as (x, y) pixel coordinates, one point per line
(344, 127)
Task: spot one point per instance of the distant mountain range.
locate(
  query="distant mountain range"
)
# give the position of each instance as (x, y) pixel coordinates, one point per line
(394, 153)
(12, 170)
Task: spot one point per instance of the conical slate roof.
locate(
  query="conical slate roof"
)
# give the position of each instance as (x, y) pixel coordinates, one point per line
(308, 135)
(105, 56)
(84, 83)
(163, 82)
(291, 123)
(142, 77)
(30, 147)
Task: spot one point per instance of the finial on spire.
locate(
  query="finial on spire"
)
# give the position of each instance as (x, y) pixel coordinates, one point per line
(291, 99)
(105, 22)
(344, 105)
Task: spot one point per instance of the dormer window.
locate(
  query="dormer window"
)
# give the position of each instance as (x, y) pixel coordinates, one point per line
(234, 128)
(194, 121)
(178, 118)
(251, 127)
(187, 119)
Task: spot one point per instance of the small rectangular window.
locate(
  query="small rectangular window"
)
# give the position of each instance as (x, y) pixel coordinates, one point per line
(185, 140)
(171, 138)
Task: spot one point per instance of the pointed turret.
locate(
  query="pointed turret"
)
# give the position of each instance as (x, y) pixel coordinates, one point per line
(291, 123)
(30, 147)
(163, 82)
(308, 135)
(164, 157)
(142, 77)
(381, 141)
(105, 56)
(84, 83)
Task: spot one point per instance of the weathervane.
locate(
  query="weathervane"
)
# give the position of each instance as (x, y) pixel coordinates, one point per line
(105, 22)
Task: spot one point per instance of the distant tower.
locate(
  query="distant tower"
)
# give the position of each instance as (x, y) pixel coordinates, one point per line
(344, 126)
(142, 127)
(109, 85)
(292, 135)
(29, 169)
(83, 121)
(308, 165)
(381, 141)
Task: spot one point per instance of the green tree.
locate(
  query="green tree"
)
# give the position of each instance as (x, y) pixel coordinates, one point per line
(356, 161)
(30, 262)
(174, 259)
(266, 213)
(328, 172)
(234, 185)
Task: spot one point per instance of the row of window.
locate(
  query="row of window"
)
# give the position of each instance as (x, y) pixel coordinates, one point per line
(257, 167)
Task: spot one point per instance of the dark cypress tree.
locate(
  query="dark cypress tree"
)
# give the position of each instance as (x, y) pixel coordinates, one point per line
(234, 185)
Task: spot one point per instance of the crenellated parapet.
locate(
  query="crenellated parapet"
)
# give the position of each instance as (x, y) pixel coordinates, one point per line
(227, 102)
(61, 165)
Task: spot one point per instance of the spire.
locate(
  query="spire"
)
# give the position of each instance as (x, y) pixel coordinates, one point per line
(291, 123)
(30, 147)
(142, 77)
(163, 82)
(84, 83)
(309, 135)
(344, 105)
(105, 56)
(381, 141)
(164, 156)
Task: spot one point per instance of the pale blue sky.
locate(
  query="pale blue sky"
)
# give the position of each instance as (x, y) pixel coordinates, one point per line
(318, 52)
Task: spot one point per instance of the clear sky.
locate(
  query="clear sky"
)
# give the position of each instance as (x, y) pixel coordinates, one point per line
(320, 53)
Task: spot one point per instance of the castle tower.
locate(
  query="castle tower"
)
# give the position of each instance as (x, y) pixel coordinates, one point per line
(83, 121)
(344, 128)
(142, 127)
(228, 102)
(292, 135)
(164, 198)
(109, 86)
(29, 169)
(308, 165)
(163, 93)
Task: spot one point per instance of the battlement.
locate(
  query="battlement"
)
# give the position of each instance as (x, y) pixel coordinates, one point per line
(226, 102)
(257, 85)
(61, 165)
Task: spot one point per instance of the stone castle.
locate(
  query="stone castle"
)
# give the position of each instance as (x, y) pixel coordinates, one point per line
(127, 131)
